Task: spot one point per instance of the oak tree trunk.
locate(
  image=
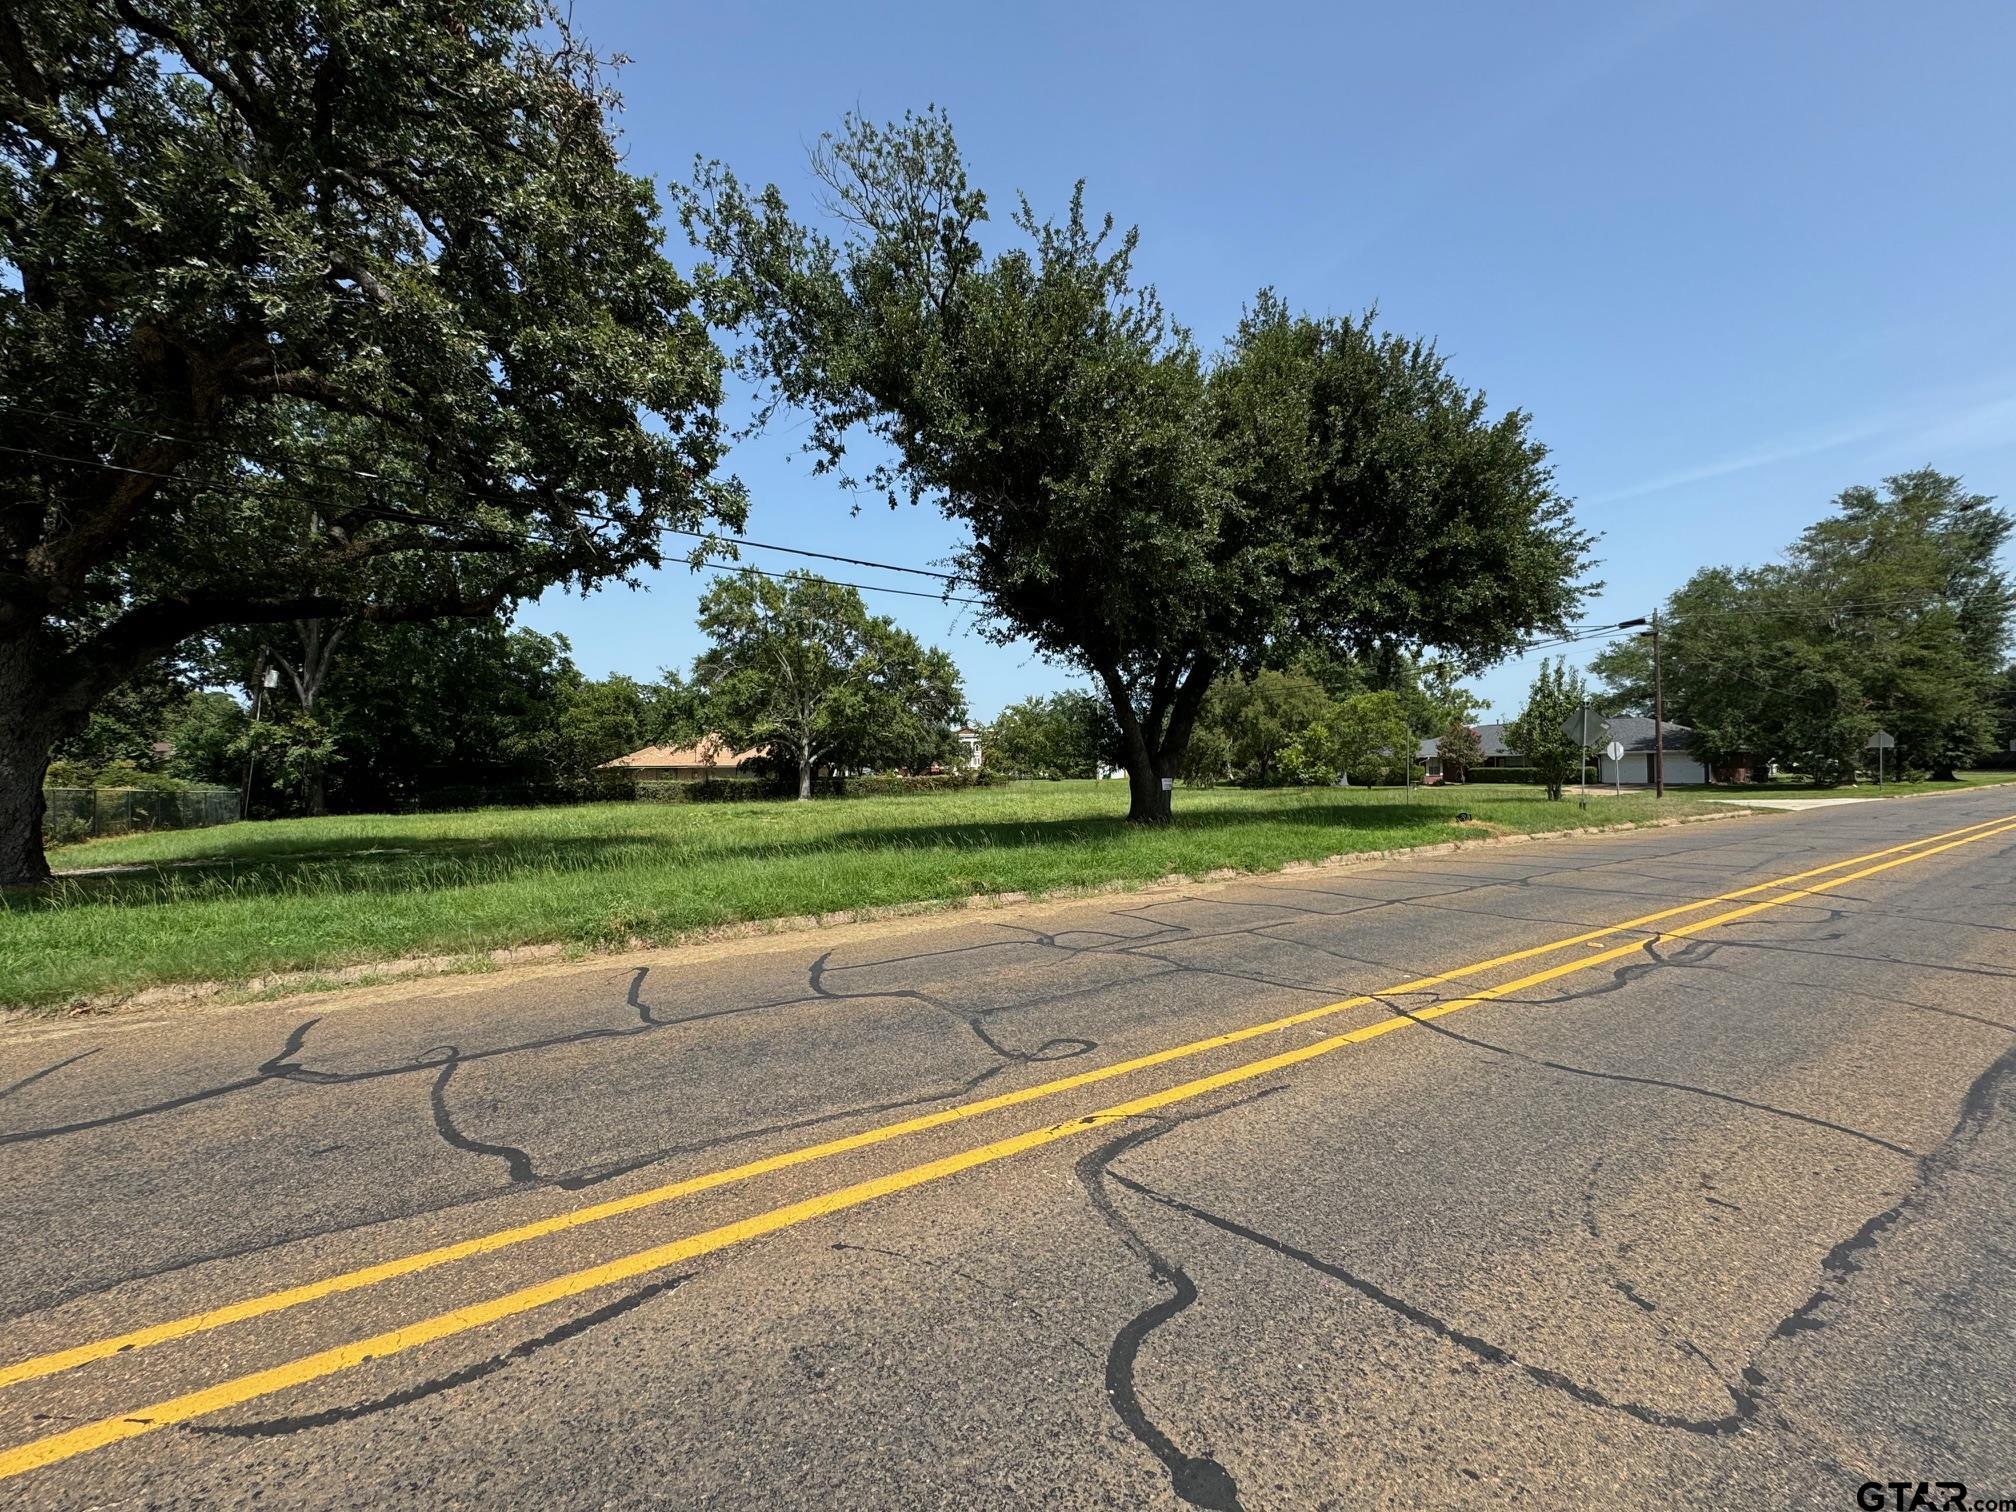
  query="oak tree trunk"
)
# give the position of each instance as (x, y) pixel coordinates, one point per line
(1147, 799)
(1156, 737)
(27, 734)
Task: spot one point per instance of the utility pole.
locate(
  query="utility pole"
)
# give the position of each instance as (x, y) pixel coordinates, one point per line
(1658, 760)
(1658, 717)
(1584, 743)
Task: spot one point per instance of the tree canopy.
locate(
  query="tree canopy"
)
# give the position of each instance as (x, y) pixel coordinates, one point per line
(1365, 737)
(316, 310)
(1540, 735)
(1068, 734)
(799, 666)
(1460, 748)
(427, 713)
(1132, 509)
(1893, 612)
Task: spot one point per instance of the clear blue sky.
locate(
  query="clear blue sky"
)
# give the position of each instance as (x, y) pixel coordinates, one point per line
(1732, 257)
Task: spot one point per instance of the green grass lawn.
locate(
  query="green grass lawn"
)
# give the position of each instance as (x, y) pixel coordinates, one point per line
(231, 903)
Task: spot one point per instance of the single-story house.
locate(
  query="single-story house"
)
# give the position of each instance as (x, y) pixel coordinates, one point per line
(710, 756)
(1490, 736)
(1631, 731)
(1634, 733)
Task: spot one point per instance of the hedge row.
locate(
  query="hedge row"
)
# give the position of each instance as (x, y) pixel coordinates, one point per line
(450, 797)
(1529, 776)
(745, 789)
(710, 790)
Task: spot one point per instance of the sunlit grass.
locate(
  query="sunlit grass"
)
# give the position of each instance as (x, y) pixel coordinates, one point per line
(1799, 787)
(232, 903)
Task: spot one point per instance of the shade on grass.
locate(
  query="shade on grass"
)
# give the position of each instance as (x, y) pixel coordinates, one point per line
(232, 903)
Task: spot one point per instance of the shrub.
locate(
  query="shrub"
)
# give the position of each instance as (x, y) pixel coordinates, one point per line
(890, 785)
(1525, 775)
(67, 829)
(114, 774)
(708, 790)
(743, 789)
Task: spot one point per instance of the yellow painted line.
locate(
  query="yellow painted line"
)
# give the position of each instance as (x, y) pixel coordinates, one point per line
(181, 1409)
(40, 1366)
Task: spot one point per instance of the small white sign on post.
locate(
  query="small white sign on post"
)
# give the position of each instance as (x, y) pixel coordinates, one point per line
(1615, 751)
(1168, 784)
(1880, 742)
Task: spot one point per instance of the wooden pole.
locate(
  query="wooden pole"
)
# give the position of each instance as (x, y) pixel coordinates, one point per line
(1658, 717)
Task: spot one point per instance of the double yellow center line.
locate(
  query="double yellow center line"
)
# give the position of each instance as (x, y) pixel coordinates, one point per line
(244, 1388)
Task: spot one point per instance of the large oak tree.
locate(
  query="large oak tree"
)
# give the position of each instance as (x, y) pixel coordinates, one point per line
(316, 309)
(1132, 508)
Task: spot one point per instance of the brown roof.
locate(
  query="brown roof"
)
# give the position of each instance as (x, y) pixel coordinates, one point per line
(712, 750)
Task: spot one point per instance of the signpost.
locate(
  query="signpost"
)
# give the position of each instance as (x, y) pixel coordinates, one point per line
(1883, 741)
(1615, 751)
(1586, 728)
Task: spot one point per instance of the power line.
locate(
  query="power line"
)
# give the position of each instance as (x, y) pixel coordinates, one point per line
(1592, 634)
(866, 587)
(241, 491)
(824, 556)
(368, 476)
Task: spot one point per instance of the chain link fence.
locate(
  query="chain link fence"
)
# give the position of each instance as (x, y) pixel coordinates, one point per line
(82, 813)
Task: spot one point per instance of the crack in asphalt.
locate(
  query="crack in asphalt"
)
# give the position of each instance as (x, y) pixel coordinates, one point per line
(520, 1167)
(1628, 1079)
(1198, 1479)
(516, 1161)
(1613, 1274)
(1744, 1397)
(1050, 1050)
(1209, 1484)
(1931, 1169)
(283, 1067)
(1775, 947)
(573, 1328)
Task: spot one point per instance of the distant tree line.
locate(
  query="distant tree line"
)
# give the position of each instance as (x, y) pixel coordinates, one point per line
(407, 714)
(454, 711)
(1322, 717)
(1893, 614)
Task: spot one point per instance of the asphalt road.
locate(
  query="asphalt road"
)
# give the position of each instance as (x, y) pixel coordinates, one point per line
(1713, 1209)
